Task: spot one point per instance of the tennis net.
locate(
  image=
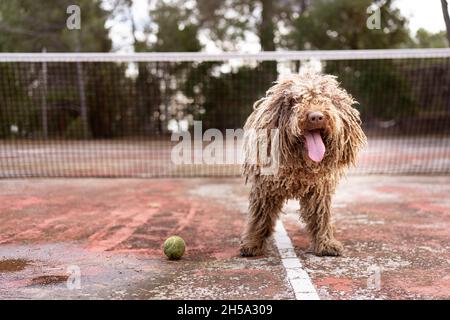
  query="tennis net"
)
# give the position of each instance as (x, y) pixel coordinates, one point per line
(122, 115)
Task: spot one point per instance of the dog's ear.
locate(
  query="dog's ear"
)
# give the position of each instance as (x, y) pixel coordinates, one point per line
(351, 136)
(273, 108)
(270, 117)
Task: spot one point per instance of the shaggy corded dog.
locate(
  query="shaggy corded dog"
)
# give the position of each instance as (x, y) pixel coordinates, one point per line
(317, 135)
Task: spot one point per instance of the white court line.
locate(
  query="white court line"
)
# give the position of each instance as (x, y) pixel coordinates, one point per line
(297, 276)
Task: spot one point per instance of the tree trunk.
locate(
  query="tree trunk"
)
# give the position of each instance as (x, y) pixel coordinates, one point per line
(44, 99)
(81, 90)
(146, 103)
(83, 105)
(266, 32)
(266, 39)
(446, 18)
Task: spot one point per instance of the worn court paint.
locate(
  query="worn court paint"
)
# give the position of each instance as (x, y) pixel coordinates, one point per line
(113, 229)
(395, 230)
(296, 274)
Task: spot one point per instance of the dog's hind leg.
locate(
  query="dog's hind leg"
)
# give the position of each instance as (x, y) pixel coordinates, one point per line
(315, 209)
(264, 209)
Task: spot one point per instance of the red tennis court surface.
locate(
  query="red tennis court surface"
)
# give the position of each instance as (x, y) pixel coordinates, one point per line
(396, 231)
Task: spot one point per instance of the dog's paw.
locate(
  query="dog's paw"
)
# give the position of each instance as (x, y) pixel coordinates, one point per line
(329, 248)
(251, 251)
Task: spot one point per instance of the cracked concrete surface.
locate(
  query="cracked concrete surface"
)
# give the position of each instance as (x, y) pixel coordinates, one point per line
(395, 229)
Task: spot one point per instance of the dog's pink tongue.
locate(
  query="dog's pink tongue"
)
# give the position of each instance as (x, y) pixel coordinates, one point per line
(315, 146)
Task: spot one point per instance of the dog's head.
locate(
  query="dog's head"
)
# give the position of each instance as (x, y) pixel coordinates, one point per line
(313, 114)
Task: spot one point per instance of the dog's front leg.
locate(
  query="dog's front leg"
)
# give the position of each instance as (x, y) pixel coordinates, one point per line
(264, 209)
(315, 209)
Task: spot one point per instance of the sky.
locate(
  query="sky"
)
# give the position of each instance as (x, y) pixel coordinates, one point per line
(425, 14)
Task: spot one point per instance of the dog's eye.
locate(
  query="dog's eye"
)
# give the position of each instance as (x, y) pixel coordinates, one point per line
(293, 101)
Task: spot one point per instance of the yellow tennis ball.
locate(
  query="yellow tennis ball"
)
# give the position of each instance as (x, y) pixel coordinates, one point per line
(174, 247)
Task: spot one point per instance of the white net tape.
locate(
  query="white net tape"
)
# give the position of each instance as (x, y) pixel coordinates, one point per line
(201, 56)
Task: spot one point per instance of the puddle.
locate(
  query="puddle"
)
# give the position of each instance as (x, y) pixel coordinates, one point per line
(13, 265)
(48, 280)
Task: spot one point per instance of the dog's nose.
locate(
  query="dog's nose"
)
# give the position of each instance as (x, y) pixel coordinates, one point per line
(316, 118)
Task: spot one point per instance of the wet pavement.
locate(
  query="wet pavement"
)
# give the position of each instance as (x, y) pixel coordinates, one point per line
(110, 232)
(102, 238)
(396, 234)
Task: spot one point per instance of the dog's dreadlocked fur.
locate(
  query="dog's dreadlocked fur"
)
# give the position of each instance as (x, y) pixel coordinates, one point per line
(286, 107)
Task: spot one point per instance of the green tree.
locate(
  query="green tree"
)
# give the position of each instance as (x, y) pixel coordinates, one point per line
(340, 25)
(222, 96)
(334, 25)
(426, 39)
(170, 29)
(228, 23)
(174, 30)
(31, 26)
(16, 115)
(58, 90)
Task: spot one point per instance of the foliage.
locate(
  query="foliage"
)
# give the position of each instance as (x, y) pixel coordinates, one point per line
(320, 27)
(338, 25)
(34, 26)
(120, 102)
(426, 39)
